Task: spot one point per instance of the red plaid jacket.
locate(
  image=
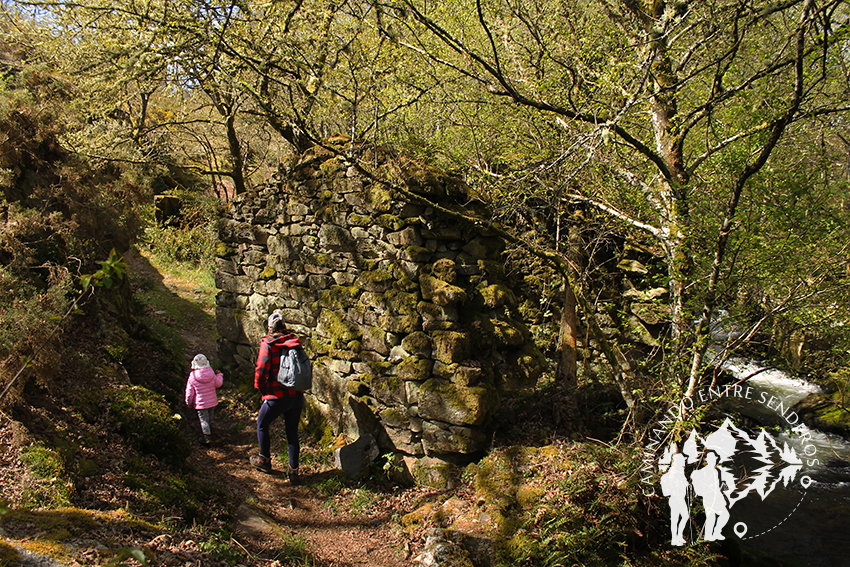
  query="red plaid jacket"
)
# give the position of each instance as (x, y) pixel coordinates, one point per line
(268, 363)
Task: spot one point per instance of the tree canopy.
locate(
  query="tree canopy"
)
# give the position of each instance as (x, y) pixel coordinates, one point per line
(715, 131)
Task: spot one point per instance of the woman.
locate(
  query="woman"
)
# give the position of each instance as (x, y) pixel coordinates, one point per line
(277, 400)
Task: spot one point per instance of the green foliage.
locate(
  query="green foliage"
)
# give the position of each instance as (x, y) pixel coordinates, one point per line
(362, 501)
(47, 484)
(392, 464)
(222, 546)
(26, 313)
(193, 245)
(332, 484)
(294, 550)
(571, 505)
(111, 271)
(60, 212)
(146, 421)
(134, 554)
(195, 239)
(73, 207)
(182, 493)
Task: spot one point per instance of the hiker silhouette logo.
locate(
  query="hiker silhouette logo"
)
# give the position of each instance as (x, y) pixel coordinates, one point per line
(706, 469)
(703, 473)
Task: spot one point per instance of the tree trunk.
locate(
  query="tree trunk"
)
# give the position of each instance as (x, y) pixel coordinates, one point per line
(566, 373)
(236, 155)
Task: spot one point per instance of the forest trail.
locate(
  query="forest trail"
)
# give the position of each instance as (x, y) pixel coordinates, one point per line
(322, 521)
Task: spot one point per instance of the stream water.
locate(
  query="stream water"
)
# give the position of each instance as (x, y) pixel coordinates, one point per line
(802, 526)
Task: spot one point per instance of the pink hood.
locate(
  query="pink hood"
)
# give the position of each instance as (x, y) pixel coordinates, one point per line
(200, 388)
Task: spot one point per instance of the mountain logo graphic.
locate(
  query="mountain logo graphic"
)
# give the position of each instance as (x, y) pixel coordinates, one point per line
(718, 471)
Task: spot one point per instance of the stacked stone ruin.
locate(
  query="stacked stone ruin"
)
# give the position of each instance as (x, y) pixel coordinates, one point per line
(406, 312)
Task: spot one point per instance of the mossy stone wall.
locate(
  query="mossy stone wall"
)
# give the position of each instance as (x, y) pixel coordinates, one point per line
(408, 315)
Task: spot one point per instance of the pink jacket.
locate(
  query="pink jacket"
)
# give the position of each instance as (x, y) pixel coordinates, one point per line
(200, 388)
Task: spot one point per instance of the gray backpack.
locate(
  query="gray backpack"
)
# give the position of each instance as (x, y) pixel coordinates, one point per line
(296, 371)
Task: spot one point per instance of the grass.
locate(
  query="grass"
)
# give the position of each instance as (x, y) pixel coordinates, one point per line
(220, 545)
(362, 501)
(331, 485)
(559, 504)
(53, 533)
(191, 286)
(189, 281)
(47, 484)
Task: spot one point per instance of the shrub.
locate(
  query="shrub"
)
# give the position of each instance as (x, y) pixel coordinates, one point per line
(194, 240)
(576, 504)
(145, 420)
(46, 483)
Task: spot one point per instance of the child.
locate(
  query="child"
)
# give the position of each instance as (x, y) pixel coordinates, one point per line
(200, 393)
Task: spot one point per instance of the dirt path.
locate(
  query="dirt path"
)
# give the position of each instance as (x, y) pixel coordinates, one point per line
(322, 521)
(273, 516)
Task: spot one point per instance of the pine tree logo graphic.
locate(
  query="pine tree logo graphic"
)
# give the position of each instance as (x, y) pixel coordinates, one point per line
(705, 469)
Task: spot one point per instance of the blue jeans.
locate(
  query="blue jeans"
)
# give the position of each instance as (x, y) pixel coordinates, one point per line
(290, 407)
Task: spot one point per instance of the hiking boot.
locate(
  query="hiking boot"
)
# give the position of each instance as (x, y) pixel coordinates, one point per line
(207, 439)
(261, 463)
(292, 475)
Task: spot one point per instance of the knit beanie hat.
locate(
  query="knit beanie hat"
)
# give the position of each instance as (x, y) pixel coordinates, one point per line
(200, 361)
(274, 318)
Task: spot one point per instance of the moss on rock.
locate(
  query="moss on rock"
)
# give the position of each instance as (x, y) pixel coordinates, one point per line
(417, 343)
(401, 324)
(497, 295)
(356, 388)
(383, 385)
(339, 297)
(432, 472)
(223, 250)
(417, 253)
(441, 400)
(415, 369)
(335, 237)
(391, 222)
(440, 292)
(526, 366)
(359, 220)
(826, 412)
(401, 302)
(450, 346)
(337, 328)
(46, 484)
(331, 166)
(498, 333)
(378, 280)
(495, 269)
(445, 270)
(378, 197)
(145, 420)
(394, 417)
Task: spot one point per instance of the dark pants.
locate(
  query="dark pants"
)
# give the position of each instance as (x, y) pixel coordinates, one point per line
(290, 407)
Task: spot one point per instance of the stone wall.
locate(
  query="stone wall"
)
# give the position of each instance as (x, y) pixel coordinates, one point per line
(406, 313)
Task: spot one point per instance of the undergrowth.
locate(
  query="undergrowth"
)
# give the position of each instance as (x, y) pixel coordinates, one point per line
(559, 504)
(190, 238)
(47, 484)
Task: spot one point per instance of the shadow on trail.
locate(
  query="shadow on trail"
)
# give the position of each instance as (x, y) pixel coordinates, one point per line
(180, 323)
(274, 520)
